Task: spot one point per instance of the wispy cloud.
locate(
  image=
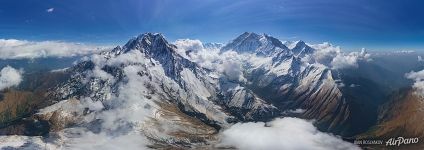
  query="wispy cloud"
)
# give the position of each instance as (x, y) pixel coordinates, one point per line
(227, 63)
(284, 133)
(418, 77)
(50, 10)
(22, 49)
(334, 57)
(9, 77)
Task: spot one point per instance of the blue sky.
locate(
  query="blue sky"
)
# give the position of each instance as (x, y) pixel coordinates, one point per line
(352, 24)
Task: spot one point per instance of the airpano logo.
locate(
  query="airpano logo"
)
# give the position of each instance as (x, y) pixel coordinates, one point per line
(401, 140)
(395, 141)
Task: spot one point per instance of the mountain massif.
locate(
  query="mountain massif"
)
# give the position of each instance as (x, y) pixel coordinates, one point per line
(152, 88)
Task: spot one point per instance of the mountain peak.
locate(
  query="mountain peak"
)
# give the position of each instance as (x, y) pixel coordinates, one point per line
(301, 49)
(261, 44)
(300, 43)
(155, 46)
(149, 43)
(149, 35)
(247, 36)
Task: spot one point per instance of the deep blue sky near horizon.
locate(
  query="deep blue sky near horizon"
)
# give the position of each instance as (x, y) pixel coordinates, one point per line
(373, 24)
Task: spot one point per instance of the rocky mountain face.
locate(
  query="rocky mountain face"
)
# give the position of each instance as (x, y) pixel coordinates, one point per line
(401, 116)
(24, 101)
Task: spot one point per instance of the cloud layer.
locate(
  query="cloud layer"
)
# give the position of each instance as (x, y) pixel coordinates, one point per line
(22, 49)
(418, 77)
(333, 56)
(227, 63)
(194, 50)
(282, 133)
(9, 77)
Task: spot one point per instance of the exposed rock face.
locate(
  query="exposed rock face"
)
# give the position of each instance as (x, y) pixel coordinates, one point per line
(18, 104)
(62, 114)
(13, 104)
(186, 131)
(402, 116)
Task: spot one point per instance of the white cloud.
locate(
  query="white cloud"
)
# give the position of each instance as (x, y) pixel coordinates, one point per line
(418, 77)
(24, 142)
(333, 56)
(187, 45)
(233, 70)
(59, 70)
(353, 85)
(404, 52)
(99, 73)
(194, 50)
(76, 139)
(294, 111)
(284, 133)
(9, 77)
(325, 53)
(415, 75)
(22, 49)
(50, 10)
(81, 139)
(341, 61)
(92, 105)
(227, 63)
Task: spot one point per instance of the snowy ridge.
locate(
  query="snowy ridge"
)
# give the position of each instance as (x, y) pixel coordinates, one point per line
(253, 43)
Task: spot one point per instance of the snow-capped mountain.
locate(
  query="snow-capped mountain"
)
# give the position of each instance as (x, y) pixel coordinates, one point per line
(168, 80)
(249, 42)
(151, 88)
(301, 49)
(282, 79)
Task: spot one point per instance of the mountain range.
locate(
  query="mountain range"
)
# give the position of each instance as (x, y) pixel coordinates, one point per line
(181, 98)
